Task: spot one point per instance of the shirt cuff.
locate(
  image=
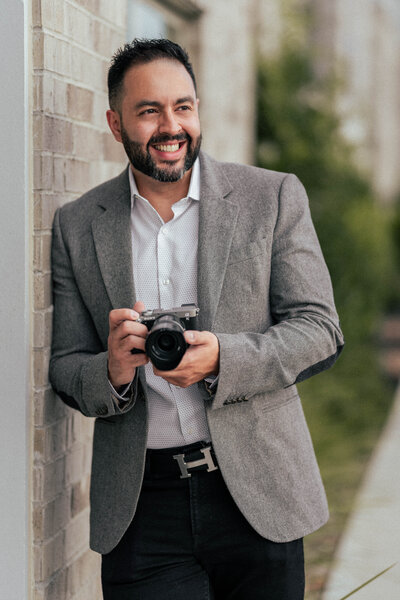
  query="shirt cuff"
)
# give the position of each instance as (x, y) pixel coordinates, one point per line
(123, 396)
(211, 384)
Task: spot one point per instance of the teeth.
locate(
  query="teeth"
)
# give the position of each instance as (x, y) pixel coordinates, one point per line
(167, 148)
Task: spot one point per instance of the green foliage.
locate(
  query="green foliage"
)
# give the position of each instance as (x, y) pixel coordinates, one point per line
(299, 131)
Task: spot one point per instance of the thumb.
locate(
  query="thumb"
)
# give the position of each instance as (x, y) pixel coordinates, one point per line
(139, 306)
(193, 337)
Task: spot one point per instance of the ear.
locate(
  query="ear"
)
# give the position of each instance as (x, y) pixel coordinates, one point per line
(114, 123)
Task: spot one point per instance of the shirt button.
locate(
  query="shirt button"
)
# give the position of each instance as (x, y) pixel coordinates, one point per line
(164, 231)
(166, 281)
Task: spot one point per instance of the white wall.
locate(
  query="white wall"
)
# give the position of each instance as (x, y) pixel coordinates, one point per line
(14, 305)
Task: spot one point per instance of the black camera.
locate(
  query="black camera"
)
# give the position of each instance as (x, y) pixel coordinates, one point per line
(165, 343)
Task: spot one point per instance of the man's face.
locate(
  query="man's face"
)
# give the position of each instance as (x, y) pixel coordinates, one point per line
(159, 121)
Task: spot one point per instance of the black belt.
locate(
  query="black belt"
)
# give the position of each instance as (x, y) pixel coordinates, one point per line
(171, 462)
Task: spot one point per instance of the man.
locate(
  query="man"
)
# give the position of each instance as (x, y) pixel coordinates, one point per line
(204, 480)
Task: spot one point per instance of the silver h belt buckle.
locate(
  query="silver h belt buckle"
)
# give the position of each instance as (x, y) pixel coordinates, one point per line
(207, 460)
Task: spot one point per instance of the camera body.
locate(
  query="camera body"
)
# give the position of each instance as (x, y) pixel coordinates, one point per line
(165, 343)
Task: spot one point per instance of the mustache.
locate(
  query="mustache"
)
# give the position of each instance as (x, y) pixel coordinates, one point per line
(161, 139)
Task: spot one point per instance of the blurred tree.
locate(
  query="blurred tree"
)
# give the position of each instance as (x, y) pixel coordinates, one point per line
(299, 131)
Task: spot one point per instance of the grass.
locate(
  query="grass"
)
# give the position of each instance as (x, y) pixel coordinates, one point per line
(346, 409)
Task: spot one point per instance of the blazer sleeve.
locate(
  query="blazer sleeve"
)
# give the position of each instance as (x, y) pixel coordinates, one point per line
(78, 364)
(305, 337)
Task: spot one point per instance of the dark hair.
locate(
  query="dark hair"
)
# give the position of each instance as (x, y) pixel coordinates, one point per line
(141, 51)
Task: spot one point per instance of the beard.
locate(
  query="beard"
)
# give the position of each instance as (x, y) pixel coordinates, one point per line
(142, 160)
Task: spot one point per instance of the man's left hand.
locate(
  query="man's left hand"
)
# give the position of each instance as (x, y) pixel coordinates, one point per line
(200, 360)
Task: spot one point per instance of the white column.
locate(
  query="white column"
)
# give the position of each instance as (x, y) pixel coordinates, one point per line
(14, 303)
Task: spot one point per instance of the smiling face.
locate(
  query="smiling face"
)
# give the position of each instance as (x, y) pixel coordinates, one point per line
(158, 121)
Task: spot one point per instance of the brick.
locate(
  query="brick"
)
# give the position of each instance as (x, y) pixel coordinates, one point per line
(91, 591)
(60, 97)
(37, 522)
(43, 211)
(77, 535)
(50, 518)
(80, 496)
(42, 251)
(42, 297)
(78, 26)
(57, 55)
(44, 208)
(48, 480)
(107, 39)
(115, 12)
(86, 68)
(90, 5)
(48, 408)
(83, 571)
(36, 13)
(77, 175)
(41, 357)
(38, 51)
(55, 440)
(39, 444)
(42, 168)
(52, 134)
(80, 429)
(100, 106)
(43, 92)
(37, 92)
(74, 428)
(42, 324)
(77, 463)
(86, 426)
(79, 103)
(87, 143)
(55, 588)
(57, 135)
(59, 174)
(52, 15)
(113, 150)
(50, 557)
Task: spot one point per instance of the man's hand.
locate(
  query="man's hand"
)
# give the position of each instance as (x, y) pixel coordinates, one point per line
(125, 334)
(200, 360)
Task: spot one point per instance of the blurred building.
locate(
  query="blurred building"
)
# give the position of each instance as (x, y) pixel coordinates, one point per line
(361, 41)
(55, 145)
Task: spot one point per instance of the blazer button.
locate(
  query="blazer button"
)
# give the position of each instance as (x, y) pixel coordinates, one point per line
(102, 410)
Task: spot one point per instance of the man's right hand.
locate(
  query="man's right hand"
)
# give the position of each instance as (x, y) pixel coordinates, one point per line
(124, 335)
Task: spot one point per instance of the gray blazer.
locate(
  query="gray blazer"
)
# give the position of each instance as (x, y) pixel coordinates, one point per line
(263, 289)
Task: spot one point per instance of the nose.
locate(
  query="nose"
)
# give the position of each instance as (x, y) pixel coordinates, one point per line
(169, 123)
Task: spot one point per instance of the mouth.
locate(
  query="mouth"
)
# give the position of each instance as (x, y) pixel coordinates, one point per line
(169, 150)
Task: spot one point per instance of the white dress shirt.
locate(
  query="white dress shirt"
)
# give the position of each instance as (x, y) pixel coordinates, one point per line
(165, 275)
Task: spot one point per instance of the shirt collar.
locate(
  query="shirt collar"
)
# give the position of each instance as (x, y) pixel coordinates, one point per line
(194, 186)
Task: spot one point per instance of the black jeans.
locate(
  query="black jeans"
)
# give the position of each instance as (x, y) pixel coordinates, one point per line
(189, 541)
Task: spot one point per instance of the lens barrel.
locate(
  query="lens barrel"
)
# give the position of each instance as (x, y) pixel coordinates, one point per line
(166, 344)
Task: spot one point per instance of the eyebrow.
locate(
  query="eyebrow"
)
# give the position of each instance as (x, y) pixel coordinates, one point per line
(156, 104)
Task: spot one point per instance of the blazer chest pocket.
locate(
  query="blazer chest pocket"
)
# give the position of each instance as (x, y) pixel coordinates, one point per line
(251, 250)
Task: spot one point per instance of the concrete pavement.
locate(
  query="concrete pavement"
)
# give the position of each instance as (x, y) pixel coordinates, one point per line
(371, 541)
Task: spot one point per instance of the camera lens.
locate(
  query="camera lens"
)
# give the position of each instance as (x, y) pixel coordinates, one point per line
(165, 344)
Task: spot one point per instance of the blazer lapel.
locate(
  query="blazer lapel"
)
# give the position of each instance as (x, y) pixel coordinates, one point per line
(217, 221)
(112, 238)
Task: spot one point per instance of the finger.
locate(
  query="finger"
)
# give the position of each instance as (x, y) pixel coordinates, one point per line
(132, 342)
(195, 338)
(140, 360)
(139, 306)
(127, 328)
(119, 315)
